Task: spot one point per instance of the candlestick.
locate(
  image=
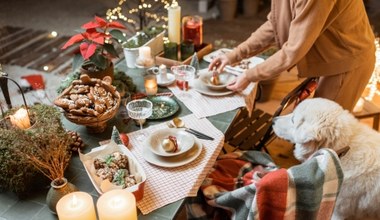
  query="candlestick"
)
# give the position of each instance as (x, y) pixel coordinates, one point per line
(21, 119)
(150, 84)
(117, 204)
(76, 205)
(174, 23)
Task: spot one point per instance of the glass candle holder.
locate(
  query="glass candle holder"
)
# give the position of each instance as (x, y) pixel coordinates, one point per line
(192, 30)
(187, 49)
(171, 50)
(150, 84)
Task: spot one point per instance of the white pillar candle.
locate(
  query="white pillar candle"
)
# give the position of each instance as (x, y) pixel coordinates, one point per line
(118, 204)
(174, 23)
(145, 52)
(21, 119)
(76, 205)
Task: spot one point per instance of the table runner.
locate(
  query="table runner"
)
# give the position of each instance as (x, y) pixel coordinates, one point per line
(167, 185)
(203, 106)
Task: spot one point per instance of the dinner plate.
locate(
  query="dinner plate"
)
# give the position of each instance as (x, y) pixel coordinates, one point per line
(244, 65)
(185, 141)
(163, 107)
(209, 57)
(203, 89)
(175, 161)
(165, 81)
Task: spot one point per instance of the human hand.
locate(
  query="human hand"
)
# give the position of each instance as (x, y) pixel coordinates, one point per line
(239, 84)
(219, 63)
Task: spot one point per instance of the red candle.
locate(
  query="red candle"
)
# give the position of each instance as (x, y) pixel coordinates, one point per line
(192, 30)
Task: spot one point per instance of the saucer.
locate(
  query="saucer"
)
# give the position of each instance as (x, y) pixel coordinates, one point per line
(161, 81)
(175, 161)
(185, 141)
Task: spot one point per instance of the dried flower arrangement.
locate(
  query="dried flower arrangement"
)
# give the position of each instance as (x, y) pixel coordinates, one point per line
(46, 139)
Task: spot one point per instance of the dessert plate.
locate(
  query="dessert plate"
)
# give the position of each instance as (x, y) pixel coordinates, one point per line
(203, 89)
(223, 79)
(185, 141)
(165, 81)
(163, 107)
(175, 161)
(209, 57)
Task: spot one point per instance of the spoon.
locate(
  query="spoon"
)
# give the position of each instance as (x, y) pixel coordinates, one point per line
(178, 123)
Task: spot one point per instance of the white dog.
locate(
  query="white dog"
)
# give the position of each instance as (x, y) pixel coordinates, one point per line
(317, 123)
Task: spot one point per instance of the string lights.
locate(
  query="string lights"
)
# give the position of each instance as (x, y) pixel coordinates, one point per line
(140, 13)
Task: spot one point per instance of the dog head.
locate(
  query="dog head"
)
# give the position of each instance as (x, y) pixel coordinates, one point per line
(315, 123)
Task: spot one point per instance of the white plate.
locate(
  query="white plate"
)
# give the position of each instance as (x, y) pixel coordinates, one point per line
(175, 161)
(245, 64)
(185, 141)
(203, 89)
(161, 81)
(209, 57)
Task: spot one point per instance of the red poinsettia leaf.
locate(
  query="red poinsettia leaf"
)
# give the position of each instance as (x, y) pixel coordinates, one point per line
(87, 50)
(74, 39)
(98, 40)
(90, 25)
(115, 24)
(100, 21)
(91, 30)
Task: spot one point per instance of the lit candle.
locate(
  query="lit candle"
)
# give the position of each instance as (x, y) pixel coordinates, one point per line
(21, 119)
(150, 84)
(174, 23)
(145, 52)
(117, 204)
(76, 205)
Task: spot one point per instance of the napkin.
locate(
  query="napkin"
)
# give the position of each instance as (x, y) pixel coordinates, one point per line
(249, 94)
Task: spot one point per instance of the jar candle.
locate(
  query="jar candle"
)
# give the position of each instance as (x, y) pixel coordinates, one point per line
(150, 84)
(20, 119)
(76, 205)
(192, 29)
(145, 52)
(118, 204)
(171, 50)
(187, 49)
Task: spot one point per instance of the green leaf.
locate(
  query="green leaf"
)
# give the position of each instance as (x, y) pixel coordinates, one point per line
(111, 50)
(117, 34)
(99, 60)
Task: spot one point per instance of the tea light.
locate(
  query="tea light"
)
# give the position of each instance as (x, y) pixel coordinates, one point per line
(174, 23)
(117, 204)
(21, 119)
(76, 205)
(150, 84)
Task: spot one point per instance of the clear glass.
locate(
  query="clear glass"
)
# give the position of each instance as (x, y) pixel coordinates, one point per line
(140, 110)
(183, 75)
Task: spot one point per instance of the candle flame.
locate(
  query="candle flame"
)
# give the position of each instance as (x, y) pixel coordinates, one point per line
(74, 201)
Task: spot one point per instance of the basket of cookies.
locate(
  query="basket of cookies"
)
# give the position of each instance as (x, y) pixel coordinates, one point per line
(90, 102)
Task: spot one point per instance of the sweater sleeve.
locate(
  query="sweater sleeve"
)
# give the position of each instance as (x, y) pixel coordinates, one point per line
(307, 25)
(259, 40)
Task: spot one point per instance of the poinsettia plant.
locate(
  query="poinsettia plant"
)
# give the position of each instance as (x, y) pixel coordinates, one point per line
(96, 44)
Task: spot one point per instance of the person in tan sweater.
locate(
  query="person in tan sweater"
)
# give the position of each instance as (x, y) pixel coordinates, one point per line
(332, 40)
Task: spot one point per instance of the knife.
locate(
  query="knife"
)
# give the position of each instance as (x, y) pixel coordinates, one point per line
(199, 134)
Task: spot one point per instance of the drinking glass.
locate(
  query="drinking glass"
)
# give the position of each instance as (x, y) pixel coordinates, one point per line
(140, 110)
(183, 74)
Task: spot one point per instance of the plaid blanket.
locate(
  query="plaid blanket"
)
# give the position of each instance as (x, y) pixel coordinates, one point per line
(248, 185)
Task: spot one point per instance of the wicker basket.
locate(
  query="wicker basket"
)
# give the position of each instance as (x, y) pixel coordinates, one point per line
(88, 115)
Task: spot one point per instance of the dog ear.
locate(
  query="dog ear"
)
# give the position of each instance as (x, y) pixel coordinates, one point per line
(306, 133)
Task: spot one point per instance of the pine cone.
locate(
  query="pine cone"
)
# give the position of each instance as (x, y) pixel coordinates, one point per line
(77, 141)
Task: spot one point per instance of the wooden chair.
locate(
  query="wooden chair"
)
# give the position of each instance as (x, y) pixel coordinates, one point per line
(255, 132)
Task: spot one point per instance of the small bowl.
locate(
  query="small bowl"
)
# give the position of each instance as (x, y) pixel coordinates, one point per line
(185, 141)
(225, 78)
